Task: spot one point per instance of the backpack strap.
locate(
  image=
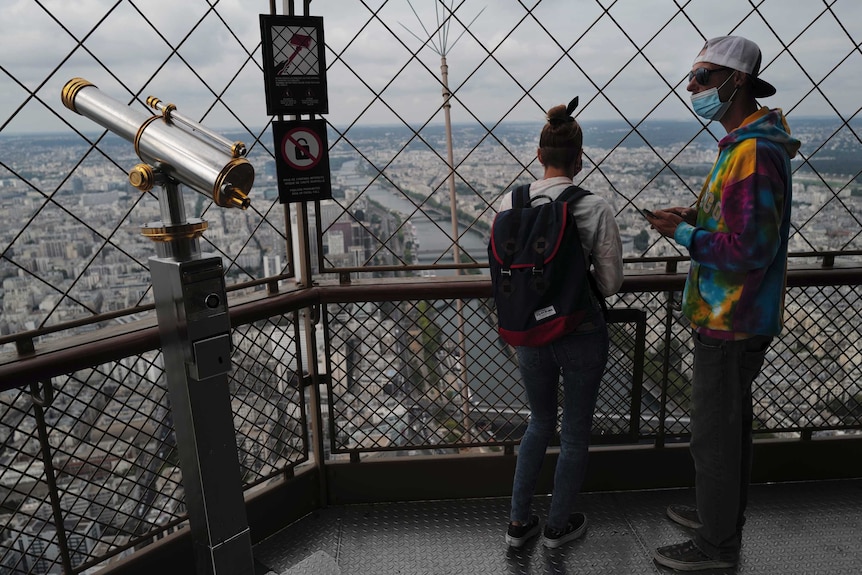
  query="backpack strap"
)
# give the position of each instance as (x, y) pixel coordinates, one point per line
(520, 200)
(595, 287)
(521, 196)
(571, 195)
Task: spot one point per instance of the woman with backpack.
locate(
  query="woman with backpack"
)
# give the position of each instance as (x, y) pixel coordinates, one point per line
(579, 355)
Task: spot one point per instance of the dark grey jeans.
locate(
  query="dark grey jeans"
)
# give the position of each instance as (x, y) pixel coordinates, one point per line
(721, 419)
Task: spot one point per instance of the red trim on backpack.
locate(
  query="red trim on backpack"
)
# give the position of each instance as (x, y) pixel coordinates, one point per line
(543, 334)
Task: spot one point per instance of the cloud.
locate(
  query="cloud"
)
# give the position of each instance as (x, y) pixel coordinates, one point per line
(526, 38)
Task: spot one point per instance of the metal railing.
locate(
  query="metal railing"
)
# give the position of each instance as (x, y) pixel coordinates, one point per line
(89, 462)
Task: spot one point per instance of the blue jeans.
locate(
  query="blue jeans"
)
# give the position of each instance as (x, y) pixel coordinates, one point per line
(721, 445)
(580, 357)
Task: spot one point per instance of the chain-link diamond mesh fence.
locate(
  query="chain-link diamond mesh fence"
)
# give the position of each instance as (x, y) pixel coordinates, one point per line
(97, 449)
(93, 467)
(393, 183)
(432, 375)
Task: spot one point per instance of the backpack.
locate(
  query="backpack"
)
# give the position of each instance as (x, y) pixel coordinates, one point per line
(539, 276)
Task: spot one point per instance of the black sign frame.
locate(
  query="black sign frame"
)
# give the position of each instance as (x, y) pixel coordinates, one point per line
(294, 64)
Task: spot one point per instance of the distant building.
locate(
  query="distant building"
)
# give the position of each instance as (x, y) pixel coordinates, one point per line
(35, 551)
(99, 198)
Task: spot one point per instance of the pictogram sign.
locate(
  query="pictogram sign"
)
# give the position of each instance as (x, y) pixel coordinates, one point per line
(294, 68)
(301, 148)
(302, 160)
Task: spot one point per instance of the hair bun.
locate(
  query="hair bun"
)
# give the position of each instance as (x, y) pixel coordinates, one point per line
(561, 114)
(557, 114)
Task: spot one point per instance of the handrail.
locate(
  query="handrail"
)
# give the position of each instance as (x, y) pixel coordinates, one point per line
(74, 353)
(32, 334)
(23, 340)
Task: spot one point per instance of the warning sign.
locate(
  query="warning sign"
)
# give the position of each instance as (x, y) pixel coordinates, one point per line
(293, 64)
(302, 161)
(301, 148)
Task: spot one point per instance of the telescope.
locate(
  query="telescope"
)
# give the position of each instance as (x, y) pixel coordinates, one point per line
(191, 308)
(181, 149)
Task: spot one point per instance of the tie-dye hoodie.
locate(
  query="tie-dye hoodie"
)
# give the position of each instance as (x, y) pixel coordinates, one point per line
(738, 248)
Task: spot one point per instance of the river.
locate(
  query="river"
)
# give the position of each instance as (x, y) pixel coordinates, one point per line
(433, 235)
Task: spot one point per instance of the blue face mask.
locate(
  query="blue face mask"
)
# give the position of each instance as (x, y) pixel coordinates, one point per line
(708, 105)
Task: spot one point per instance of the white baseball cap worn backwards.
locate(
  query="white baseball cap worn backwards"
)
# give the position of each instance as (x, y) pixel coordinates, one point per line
(739, 54)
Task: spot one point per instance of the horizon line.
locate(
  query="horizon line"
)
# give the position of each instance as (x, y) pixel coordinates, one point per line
(628, 121)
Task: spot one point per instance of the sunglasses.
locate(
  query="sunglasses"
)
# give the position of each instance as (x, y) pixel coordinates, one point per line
(701, 75)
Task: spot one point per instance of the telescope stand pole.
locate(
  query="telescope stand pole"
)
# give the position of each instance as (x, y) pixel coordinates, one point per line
(194, 326)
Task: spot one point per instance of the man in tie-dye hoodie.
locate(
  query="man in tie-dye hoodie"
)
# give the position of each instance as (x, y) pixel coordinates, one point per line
(737, 236)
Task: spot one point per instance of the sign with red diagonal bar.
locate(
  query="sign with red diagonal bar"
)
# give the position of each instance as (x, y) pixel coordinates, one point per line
(302, 160)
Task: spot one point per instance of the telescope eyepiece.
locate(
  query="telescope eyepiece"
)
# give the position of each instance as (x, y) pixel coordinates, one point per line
(233, 197)
(238, 150)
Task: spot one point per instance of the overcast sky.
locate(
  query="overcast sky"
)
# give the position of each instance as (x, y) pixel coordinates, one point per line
(623, 58)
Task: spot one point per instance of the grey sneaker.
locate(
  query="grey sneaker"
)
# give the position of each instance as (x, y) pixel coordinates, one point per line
(687, 557)
(577, 525)
(685, 515)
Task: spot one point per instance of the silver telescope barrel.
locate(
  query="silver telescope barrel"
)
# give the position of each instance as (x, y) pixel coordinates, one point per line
(178, 153)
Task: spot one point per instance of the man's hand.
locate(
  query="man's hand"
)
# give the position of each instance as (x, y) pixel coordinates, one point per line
(666, 221)
(688, 215)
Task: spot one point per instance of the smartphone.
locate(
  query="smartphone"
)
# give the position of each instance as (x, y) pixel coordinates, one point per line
(648, 213)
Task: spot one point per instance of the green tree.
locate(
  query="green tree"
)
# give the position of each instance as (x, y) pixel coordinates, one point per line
(430, 337)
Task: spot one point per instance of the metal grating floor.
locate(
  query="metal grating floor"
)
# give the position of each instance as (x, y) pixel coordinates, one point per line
(792, 529)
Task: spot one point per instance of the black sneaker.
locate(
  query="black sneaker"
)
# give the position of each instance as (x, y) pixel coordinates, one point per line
(553, 538)
(685, 515)
(687, 557)
(517, 535)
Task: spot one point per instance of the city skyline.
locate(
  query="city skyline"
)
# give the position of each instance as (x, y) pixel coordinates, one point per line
(79, 251)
